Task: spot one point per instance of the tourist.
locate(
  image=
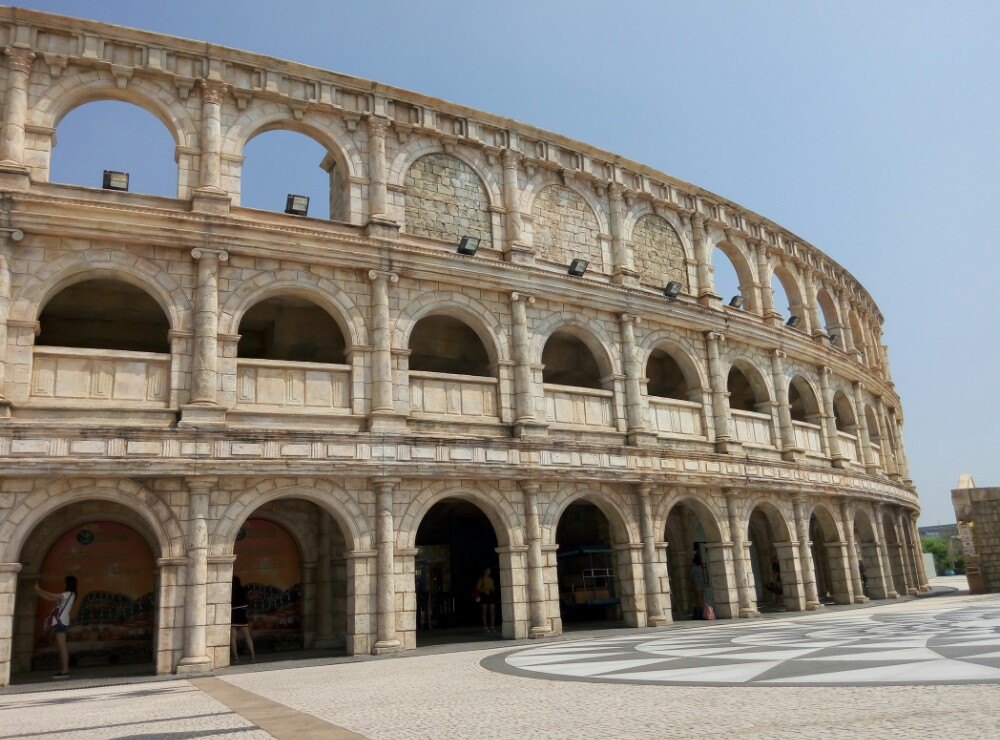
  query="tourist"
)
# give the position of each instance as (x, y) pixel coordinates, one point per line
(698, 580)
(487, 591)
(58, 620)
(239, 621)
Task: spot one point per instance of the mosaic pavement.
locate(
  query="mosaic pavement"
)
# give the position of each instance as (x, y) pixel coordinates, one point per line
(917, 647)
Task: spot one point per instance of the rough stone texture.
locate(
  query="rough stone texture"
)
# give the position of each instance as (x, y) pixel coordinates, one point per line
(566, 228)
(659, 255)
(977, 511)
(445, 199)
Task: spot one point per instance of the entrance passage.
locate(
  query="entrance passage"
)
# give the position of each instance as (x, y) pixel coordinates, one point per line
(589, 591)
(269, 565)
(766, 565)
(687, 564)
(455, 544)
(111, 621)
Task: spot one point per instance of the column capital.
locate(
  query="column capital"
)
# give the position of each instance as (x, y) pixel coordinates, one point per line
(630, 318)
(779, 354)
(697, 220)
(528, 487)
(510, 158)
(528, 299)
(205, 252)
(385, 482)
(19, 58)
(375, 275)
(644, 488)
(10, 567)
(614, 190)
(201, 484)
(213, 91)
(858, 385)
(715, 336)
(378, 125)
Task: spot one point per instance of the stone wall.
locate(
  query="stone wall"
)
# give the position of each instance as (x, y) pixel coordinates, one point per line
(659, 254)
(978, 512)
(446, 200)
(566, 228)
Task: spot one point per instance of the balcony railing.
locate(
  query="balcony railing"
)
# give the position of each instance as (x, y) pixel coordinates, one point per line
(876, 455)
(293, 387)
(584, 407)
(849, 447)
(100, 376)
(752, 428)
(675, 417)
(444, 394)
(808, 437)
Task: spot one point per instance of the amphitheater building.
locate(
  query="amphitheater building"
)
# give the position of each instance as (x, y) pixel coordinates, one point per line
(358, 415)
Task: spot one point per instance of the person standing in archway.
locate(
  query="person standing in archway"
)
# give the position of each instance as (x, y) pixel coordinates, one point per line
(58, 620)
(487, 591)
(239, 621)
(698, 581)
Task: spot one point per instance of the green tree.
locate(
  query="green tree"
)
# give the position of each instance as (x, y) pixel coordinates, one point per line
(939, 549)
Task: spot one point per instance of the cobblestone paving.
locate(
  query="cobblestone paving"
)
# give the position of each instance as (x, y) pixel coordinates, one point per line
(451, 695)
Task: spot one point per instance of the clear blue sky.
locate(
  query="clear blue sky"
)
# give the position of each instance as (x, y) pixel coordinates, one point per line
(870, 129)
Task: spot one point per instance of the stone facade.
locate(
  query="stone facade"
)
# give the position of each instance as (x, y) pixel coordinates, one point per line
(349, 449)
(977, 511)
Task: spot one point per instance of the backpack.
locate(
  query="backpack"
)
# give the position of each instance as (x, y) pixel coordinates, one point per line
(708, 613)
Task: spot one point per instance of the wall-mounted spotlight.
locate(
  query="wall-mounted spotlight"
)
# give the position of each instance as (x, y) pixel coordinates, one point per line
(736, 301)
(468, 245)
(115, 180)
(793, 321)
(16, 235)
(672, 290)
(297, 205)
(833, 338)
(577, 267)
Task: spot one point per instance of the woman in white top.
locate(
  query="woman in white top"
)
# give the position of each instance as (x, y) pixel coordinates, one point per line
(61, 612)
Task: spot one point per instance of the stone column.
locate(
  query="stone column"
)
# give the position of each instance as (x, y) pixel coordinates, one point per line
(747, 608)
(816, 327)
(515, 250)
(4, 315)
(13, 173)
(789, 449)
(203, 409)
(889, 462)
(525, 421)
(707, 296)
(325, 633)
(846, 332)
(8, 590)
(807, 565)
(638, 431)
(720, 394)
(905, 556)
(622, 272)
(195, 659)
(655, 616)
(857, 587)
(830, 419)
(901, 463)
(924, 585)
(385, 540)
(539, 623)
(379, 169)
(863, 434)
(383, 409)
(887, 575)
(210, 197)
(771, 315)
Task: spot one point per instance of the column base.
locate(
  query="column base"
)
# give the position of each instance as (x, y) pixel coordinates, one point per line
(792, 454)
(190, 666)
(660, 621)
(925, 588)
(748, 613)
(212, 201)
(382, 227)
(14, 176)
(642, 438)
(530, 428)
(912, 591)
(861, 599)
(728, 447)
(386, 422)
(535, 632)
(384, 647)
(812, 606)
(892, 595)
(5, 407)
(625, 277)
(839, 462)
(519, 254)
(710, 300)
(202, 416)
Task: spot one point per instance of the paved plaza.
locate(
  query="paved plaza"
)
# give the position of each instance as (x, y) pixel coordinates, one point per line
(921, 667)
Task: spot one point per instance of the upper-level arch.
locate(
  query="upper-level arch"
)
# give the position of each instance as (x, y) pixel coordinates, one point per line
(658, 252)
(565, 225)
(803, 402)
(590, 333)
(742, 265)
(672, 372)
(830, 312)
(789, 282)
(474, 314)
(446, 198)
(748, 389)
(418, 147)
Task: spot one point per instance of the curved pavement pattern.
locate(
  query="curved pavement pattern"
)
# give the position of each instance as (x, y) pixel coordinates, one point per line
(918, 647)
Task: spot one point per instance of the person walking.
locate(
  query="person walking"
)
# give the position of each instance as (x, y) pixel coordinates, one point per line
(239, 621)
(58, 620)
(487, 591)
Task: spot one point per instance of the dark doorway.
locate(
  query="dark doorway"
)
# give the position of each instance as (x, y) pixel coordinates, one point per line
(589, 591)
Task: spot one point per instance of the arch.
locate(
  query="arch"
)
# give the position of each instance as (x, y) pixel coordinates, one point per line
(827, 521)
(446, 198)
(752, 391)
(658, 252)
(789, 281)
(48, 499)
(545, 179)
(624, 528)
(329, 497)
(290, 328)
(77, 267)
(73, 91)
(863, 523)
(711, 523)
(685, 355)
(642, 208)
(322, 291)
(565, 226)
(443, 344)
(592, 333)
(483, 321)
(328, 131)
(860, 340)
(744, 271)
(871, 419)
(843, 413)
(774, 515)
(417, 147)
(492, 502)
(803, 401)
(830, 311)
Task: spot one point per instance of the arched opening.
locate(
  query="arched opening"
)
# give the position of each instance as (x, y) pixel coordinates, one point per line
(443, 344)
(117, 136)
(290, 329)
(674, 395)
(895, 547)
(743, 396)
(569, 361)
(829, 559)
(290, 559)
(732, 280)
(772, 564)
(860, 341)
(831, 316)
(806, 417)
(874, 438)
(590, 589)
(847, 427)
(113, 624)
(695, 564)
(279, 162)
(666, 378)
(104, 314)
(787, 296)
(873, 583)
(749, 406)
(456, 543)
